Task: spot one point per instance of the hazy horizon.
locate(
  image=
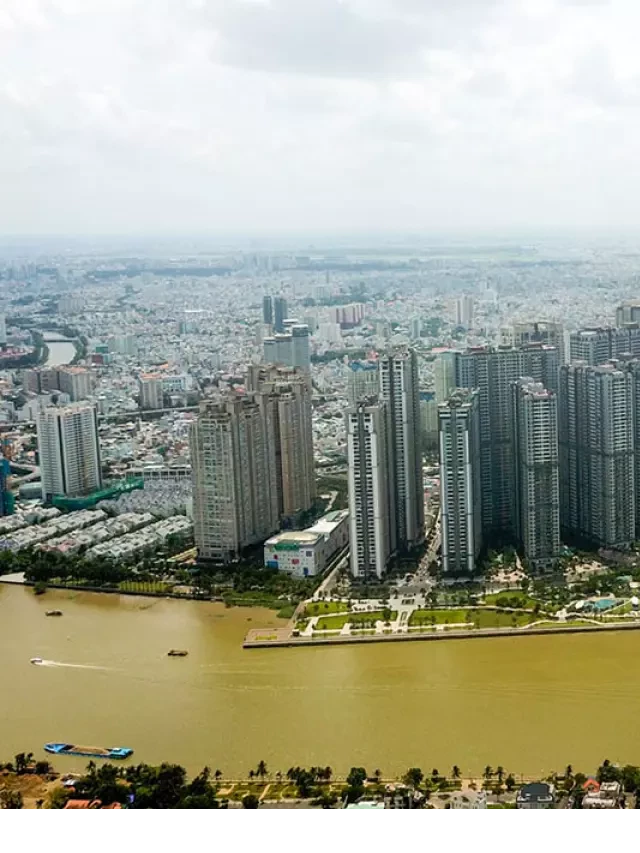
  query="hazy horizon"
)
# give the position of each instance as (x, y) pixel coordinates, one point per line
(266, 119)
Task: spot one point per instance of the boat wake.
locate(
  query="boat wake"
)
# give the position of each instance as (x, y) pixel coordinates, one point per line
(58, 663)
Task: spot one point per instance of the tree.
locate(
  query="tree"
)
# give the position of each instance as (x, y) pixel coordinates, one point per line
(357, 777)
(58, 798)
(510, 782)
(455, 772)
(21, 762)
(435, 775)
(250, 801)
(414, 776)
(500, 773)
(10, 799)
(261, 770)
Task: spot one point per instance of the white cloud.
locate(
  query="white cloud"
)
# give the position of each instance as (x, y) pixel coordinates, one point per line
(130, 115)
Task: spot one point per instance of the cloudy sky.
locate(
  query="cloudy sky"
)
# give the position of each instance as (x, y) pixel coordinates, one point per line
(154, 116)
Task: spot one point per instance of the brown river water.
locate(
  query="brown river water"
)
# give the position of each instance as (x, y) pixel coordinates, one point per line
(530, 704)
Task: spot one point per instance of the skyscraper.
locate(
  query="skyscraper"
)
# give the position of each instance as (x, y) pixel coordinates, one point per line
(536, 492)
(460, 504)
(551, 334)
(492, 371)
(69, 451)
(284, 397)
(279, 313)
(599, 346)
(464, 312)
(235, 501)
(370, 498)
(362, 381)
(290, 348)
(444, 371)
(597, 454)
(267, 311)
(399, 390)
(628, 312)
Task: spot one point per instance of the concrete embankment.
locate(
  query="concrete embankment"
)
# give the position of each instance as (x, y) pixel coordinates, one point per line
(252, 641)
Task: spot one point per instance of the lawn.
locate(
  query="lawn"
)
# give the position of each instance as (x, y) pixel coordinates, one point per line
(513, 598)
(319, 608)
(335, 623)
(479, 618)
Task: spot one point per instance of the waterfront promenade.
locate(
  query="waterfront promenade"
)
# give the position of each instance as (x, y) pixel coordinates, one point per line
(270, 638)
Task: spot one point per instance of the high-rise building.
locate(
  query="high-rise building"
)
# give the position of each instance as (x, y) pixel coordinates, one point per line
(151, 391)
(628, 312)
(3, 331)
(400, 391)
(415, 328)
(363, 380)
(6, 498)
(279, 313)
(551, 334)
(599, 346)
(234, 490)
(370, 496)
(284, 397)
(460, 504)
(597, 454)
(492, 371)
(267, 311)
(429, 419)
(536, 489)
(464, 312)
(76, 382)
(444, 371)
(290, 348)
(69, 451)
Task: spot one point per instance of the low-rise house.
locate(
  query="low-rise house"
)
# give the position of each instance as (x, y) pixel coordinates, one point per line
(536, 795)
(609, 796)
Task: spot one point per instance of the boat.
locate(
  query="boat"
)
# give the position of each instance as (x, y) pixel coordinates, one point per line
(88, 751)
(53, 613)
(35, 660)
(177, 653)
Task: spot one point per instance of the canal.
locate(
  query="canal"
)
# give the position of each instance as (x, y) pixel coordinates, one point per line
(61, 350)
(532, 704)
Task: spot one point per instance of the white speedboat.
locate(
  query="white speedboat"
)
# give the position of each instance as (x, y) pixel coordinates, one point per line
(36, 660)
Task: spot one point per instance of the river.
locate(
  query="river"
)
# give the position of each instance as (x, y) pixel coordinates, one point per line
(531, 704)
(61, 351)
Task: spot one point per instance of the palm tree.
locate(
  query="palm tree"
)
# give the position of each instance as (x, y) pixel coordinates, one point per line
(500, 773)
(261, 770)
(218, 775)
(251, 774)
(488, 772)
(378, 775)
(568, 773)
(328, 773)
(455, 772)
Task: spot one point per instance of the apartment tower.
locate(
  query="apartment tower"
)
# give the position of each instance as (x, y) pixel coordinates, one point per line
(69, 451)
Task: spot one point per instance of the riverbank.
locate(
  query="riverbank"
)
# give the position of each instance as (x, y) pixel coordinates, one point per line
(259, 638)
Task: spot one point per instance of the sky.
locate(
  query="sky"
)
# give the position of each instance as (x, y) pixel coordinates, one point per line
(253, 116)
